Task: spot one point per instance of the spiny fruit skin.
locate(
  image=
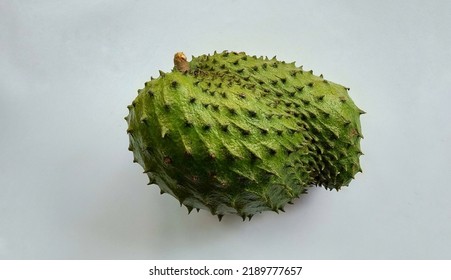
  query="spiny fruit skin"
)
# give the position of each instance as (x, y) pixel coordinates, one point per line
(237, 134)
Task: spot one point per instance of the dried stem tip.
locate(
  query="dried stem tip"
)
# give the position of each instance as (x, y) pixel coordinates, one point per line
(180, 62)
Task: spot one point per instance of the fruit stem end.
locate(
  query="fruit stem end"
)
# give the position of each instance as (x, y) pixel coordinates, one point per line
(180, 62)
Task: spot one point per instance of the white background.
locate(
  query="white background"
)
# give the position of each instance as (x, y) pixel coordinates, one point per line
(69, 189)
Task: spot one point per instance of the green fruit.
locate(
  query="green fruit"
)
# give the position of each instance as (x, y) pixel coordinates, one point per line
(237, 134)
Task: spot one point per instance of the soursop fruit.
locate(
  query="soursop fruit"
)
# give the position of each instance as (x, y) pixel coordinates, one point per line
(237, 134)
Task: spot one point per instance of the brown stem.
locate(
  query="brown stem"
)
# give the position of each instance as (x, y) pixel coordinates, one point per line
(180, 62)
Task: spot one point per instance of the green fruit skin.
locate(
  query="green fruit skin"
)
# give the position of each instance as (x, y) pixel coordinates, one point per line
(240, 135)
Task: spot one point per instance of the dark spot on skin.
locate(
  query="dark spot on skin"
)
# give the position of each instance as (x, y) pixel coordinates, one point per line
(167, 160)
